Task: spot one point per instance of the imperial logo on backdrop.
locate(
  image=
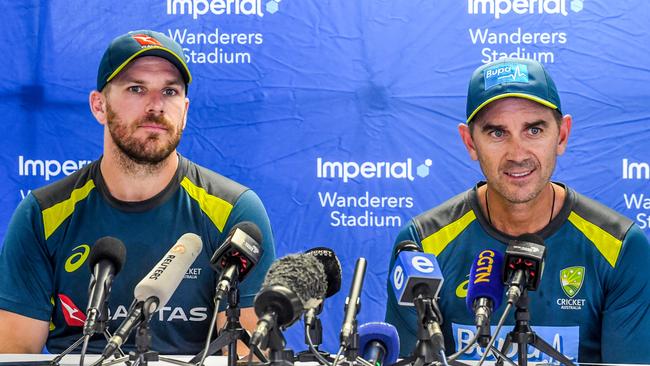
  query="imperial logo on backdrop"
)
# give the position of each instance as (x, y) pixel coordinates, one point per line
(365, 209)
(499, 8)
(197, 8)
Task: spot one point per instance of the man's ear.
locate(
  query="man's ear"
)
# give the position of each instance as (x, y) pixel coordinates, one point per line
(466, 136)
(98, 106)
(565, 131)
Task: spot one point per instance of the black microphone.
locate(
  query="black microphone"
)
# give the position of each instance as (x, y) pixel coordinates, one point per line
(105, 260)
(353, 303)
(332, 268)
(292, 285)
(524, 265)
(155, 289)
(239, 253)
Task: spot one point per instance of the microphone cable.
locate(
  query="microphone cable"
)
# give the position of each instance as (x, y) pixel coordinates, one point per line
(338, 355)
(84, 348)
(313, 349)
(496, 333)
(469, 345)
(213, 324)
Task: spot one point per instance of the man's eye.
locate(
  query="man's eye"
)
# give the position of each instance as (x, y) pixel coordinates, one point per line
(498, 133)
(136, 89)
(170, 92)
(535, 130)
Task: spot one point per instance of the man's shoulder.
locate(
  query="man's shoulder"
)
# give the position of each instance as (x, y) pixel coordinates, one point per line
(77, 184)
(455, 211)
(591, 215)
(200, 179)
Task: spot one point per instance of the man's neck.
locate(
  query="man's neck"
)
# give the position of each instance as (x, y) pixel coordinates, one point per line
(130, 181)
(516, 219)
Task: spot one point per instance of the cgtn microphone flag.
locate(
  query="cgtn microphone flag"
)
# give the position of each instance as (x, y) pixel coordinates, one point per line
(413, 269)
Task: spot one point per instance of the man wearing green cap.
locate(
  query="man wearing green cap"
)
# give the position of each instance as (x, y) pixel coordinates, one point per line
(593, 302)
(142, 192)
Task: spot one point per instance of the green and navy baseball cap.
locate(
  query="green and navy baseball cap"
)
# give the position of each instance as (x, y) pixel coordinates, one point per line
(510, 77)
(132, 45)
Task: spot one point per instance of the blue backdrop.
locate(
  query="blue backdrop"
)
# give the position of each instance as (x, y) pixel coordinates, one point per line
(342, 115)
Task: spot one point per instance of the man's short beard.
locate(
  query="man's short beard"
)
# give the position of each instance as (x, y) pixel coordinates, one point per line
(136, 151)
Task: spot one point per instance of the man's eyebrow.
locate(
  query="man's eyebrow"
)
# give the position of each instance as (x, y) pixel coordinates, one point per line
(489, 126)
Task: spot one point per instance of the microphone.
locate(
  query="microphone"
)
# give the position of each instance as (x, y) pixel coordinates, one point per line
(239, 253)
(155, 289)
(415, 273)
(524, 265)
(485, 291)
(293, 284)
(105, 260)
(416, 280)
(332, 270)
(379, 343)
(353, 303)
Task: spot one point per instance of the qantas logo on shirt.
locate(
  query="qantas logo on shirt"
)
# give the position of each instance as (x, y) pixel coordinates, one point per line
(73, 316)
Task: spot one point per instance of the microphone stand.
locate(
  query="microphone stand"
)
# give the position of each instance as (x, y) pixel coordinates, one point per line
(142, 354)
(100, 327)
(278, 354)
(523, 335)
(427, 352)
(314, 337)
(232, 331)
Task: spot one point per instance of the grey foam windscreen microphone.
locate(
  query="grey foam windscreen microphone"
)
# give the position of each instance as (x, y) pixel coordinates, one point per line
(294, 284)
(167, 274)
(301, 273)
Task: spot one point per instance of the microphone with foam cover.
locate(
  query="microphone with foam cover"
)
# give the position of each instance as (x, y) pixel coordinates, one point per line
(485, 290)
(292, 285)
(378, 343)
(105, 260)
(155, 289)
(331, 266)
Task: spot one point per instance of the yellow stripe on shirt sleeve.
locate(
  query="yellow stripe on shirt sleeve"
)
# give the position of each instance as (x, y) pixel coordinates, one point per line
(54, 216)
(438, 241)
(214, 207)
(607, 245)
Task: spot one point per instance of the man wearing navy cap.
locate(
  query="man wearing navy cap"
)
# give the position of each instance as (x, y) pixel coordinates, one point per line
(140, 191)
(593, 302)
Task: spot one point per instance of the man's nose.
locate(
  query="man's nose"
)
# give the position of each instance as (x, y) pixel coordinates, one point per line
(155, 104)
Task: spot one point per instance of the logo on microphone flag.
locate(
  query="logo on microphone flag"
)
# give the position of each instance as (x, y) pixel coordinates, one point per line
(73, 316)
(571, 279)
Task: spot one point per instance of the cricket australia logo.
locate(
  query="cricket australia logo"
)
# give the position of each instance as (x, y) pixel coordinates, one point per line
(571, 279)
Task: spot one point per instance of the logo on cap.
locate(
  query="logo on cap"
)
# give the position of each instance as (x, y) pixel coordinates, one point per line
(146, 40)
(505, 73)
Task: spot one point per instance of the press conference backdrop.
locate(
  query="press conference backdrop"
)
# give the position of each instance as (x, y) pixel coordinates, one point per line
(343, 114)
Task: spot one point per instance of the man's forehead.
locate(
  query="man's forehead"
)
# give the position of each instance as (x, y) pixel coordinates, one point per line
(157, 65)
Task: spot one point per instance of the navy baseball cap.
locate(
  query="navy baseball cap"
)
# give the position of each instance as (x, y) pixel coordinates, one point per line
(132, 45)
(510, 77)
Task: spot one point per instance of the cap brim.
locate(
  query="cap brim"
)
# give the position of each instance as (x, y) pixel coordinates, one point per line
(179, 62)
(507, 95)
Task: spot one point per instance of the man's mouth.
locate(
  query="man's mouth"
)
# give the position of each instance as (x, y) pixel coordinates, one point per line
(519, 174)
